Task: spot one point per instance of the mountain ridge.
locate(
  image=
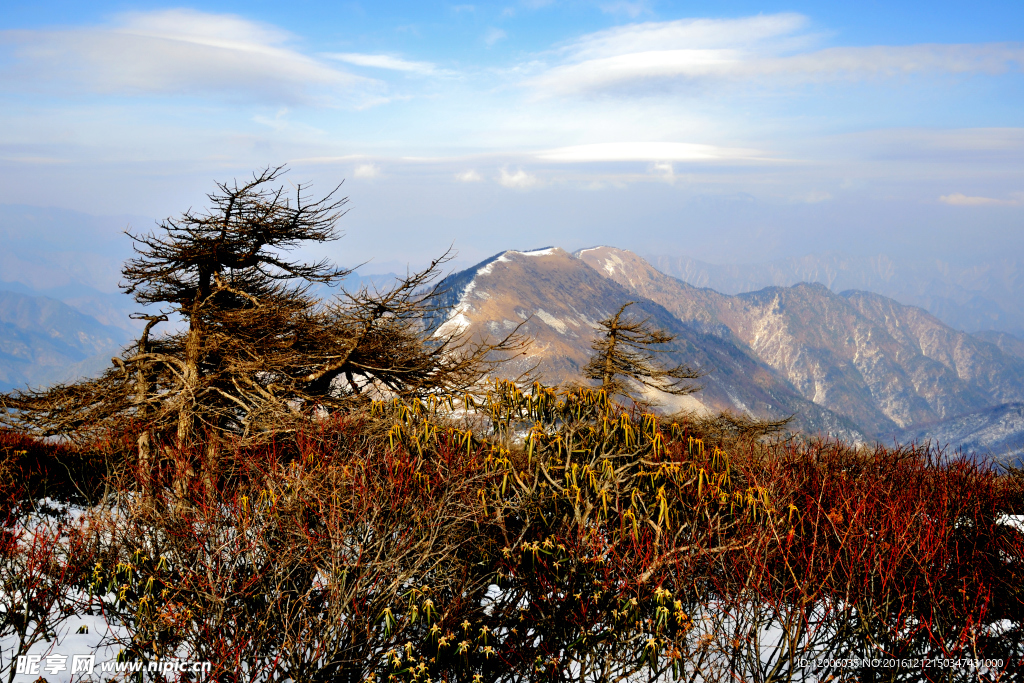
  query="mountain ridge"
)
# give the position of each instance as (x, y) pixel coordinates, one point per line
(979, 297)
(558, 300)
(887, 366)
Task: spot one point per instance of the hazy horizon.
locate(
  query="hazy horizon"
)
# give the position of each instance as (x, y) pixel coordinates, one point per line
(757, 132)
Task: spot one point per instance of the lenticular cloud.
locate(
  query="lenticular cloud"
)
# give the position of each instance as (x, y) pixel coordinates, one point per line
(774, 49)
(183, 52)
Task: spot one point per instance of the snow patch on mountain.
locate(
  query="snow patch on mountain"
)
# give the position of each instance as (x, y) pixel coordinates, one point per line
(458, 320)
(552, 321)
(486, 270)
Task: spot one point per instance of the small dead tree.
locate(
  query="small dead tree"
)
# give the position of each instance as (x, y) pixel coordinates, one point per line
(624, 359)
(257, 352)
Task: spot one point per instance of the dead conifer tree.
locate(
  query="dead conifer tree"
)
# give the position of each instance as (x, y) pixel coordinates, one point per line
(624, 361)
(255, 352)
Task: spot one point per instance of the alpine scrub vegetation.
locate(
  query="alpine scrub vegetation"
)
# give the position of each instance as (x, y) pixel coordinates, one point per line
(543, 535)
(296, 490)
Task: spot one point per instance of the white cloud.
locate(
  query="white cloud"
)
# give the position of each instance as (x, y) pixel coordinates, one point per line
(519, 180)
(383, 62)
(469, 176)
(691, 34)
(366, 171)
(762, 48)
(648, 151)
(958, 199)
(182, 51)
(493, 35)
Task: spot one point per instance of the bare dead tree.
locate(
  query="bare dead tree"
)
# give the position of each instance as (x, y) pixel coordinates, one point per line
(257, 352)
(623, 353)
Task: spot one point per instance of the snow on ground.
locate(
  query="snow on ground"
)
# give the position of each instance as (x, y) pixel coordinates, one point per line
(458, 320)
(1016, 521)
(60, 652)
(77, 634)
(552, 321)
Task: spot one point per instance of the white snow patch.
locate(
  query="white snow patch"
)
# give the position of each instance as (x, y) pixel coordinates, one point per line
(458, 321)
(504, 257)
(552, 321)
(611, 262)
(455, 324)
(486, 270)
(1016, 521)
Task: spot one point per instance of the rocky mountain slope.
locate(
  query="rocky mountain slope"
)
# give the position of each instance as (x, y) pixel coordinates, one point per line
(1007, 343)
(883, 365)
(559, 299)
(968, 297)
(43, 341)
(997, 431)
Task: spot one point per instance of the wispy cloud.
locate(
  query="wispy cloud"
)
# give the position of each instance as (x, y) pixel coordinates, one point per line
(694, 34)
(958, 199)
(470, 176)
(366, 171)
(519, 180)
(178, 52)
(384, 62)
(773, 48)
(648, 151)
(493, 35)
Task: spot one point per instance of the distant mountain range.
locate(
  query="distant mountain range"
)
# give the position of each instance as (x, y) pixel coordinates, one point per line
(883, 364)
(855, 365)
(62, 333)
(987, 296)
(44, 341)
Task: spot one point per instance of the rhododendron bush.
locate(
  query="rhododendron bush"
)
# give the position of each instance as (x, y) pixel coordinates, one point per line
(533, 534)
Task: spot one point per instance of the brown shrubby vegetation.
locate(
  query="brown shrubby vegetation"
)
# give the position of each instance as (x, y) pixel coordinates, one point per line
(43, 553)
(543, 535)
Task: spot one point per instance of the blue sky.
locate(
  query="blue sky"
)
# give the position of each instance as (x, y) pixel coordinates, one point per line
(730, 132)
